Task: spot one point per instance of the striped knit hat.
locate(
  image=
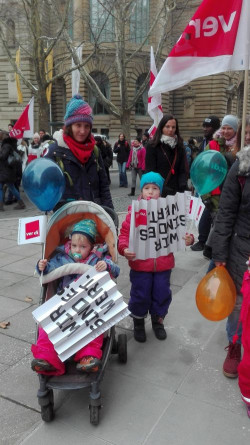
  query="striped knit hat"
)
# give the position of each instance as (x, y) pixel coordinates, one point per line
(86, 227)
(78, 110)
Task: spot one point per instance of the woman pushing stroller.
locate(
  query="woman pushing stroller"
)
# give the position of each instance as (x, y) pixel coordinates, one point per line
(79, 248)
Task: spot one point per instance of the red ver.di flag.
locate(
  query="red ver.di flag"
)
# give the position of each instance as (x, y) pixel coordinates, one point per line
(215, 40)
(24, 126)
(32, 230)
(158, 226)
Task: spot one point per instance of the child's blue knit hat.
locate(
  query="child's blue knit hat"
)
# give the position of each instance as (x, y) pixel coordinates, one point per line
(77, 110)
(152, 178)
(86, 227)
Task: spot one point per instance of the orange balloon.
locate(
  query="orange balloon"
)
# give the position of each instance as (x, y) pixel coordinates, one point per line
(216, 294)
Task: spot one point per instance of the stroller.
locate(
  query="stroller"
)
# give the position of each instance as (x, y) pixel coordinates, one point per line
(57, 233)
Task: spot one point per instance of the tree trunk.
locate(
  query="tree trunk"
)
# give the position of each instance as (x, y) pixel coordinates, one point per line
(125, 123)
(43, 111)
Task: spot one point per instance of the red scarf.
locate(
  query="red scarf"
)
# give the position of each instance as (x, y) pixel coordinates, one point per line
(82, 151)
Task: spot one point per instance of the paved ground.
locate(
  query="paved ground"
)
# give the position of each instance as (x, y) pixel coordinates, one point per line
(170, 392)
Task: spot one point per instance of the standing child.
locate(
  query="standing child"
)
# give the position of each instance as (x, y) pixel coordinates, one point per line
(80, 248)
(150, 278)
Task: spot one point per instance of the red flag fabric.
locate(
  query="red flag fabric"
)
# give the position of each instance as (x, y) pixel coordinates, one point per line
(215, 40)
(24, 126)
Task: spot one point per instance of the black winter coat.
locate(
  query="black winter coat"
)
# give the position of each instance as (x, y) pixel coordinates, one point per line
(90, 182)
(122, 149)
(8, 175)
(107, 154)
(231, 237)
(156, 161)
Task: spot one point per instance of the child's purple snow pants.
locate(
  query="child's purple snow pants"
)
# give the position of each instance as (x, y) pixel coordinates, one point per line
(150, 292)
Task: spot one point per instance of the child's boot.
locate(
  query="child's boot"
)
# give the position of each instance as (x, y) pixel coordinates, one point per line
(158, 327)
(41, 366)
(139, 330)
(89, 364)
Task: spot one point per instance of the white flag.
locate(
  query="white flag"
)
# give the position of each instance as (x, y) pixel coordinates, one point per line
(32, 230)
(154, 102)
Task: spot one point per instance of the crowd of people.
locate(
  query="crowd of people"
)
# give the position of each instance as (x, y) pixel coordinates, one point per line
(162, 164)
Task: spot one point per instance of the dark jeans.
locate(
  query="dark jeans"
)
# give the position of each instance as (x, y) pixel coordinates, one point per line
(204, 226)
(123, 174)
(150, 292)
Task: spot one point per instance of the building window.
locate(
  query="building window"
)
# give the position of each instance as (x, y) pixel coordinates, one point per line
(142, 103)
(11, 34)
(101, 23)
(139, 21)
(102, 80)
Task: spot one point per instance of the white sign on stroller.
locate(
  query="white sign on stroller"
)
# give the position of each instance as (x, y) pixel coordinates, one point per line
(81, 312)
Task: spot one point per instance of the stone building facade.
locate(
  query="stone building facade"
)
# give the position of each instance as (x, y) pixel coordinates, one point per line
(217, 94)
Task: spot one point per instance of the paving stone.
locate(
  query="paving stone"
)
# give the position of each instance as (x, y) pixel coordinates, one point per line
(10, 307)
(15, 420)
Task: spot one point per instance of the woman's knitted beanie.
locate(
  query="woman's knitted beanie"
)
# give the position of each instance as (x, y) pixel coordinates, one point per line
(77, 110)
(152, 178)
(231, 121)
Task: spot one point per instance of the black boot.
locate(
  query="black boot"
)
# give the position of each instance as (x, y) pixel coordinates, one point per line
(139, 330)
(132, 193)
(158, 327)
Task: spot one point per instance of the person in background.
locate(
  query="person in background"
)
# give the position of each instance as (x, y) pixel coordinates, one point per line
(76, 153)
(122, 149)
(34, 149)
(107, 154)
(9, 174)
(165, 154)
(224, 141)
(136, 162)
(42, 133)
(210, 125)
(10, 127)
(145, 138)
(247, 134)
(231, 248)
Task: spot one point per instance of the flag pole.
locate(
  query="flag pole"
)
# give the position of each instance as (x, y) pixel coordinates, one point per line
(244, 111)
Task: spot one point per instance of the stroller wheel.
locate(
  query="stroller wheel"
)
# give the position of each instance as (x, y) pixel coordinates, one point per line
(47, 412)
(94, 414)
(122, 348)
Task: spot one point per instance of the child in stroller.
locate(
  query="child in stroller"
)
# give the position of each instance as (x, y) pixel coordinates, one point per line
(79, 248)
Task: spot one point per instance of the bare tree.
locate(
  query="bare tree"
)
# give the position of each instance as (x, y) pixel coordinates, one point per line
(124, 54)
(45, 37)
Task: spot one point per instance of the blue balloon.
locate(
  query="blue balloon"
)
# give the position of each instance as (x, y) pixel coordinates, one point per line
(208, 171)
(44, 183)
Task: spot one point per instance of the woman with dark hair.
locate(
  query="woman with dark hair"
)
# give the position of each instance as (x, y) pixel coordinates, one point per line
(165, 154)
(80, 160)
(122, 149)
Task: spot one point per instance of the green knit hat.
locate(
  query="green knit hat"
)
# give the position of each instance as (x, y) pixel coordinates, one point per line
(86, 227)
